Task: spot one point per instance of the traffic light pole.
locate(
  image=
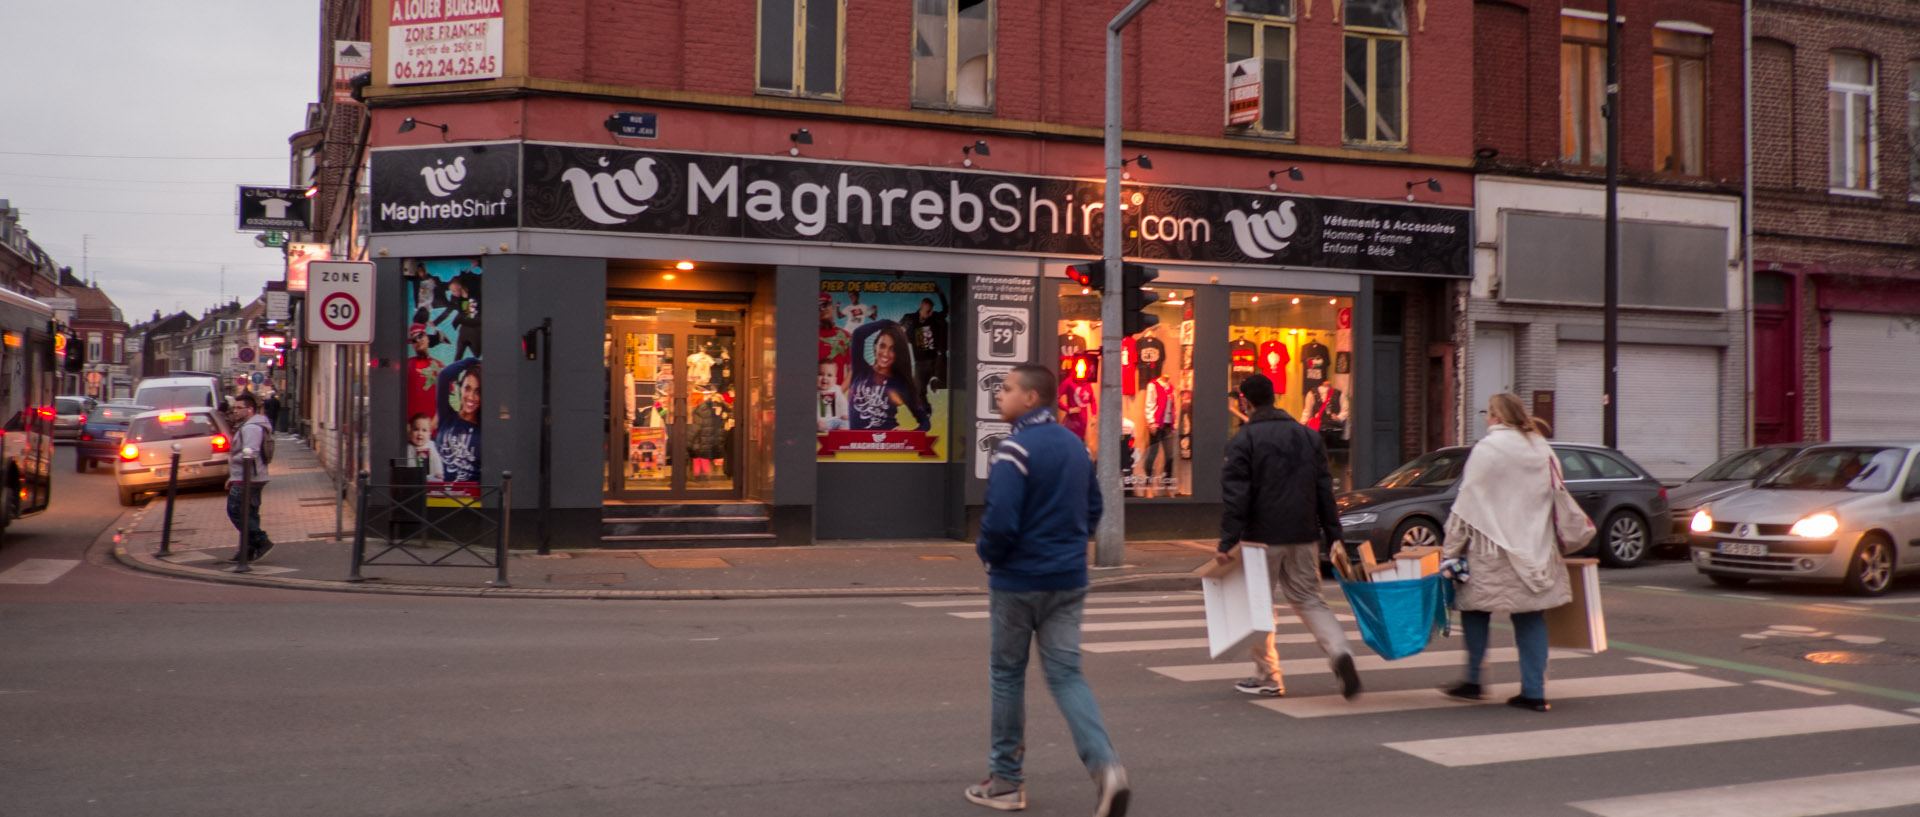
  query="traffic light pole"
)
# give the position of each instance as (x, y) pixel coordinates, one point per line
(1109, 548)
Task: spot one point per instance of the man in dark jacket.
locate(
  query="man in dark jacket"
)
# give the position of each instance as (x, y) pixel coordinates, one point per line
(1042, 503)
(1278, 492)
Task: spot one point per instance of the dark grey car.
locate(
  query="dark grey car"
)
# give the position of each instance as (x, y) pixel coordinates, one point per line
(1738, 470)
(1408, 507)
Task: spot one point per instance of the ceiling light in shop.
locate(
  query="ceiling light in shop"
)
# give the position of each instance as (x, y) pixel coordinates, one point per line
(1177, 302)
(684, 265)
(1086, 291)
(669, 276)
(1333, 302)
(1293, 331)
(1256, 299)
(1296, 302)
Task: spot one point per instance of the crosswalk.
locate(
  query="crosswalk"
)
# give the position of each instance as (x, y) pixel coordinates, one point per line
(1136, 626)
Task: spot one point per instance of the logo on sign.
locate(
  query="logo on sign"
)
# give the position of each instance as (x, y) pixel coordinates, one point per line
(1260, 235)
(621, 191)
(444, 181)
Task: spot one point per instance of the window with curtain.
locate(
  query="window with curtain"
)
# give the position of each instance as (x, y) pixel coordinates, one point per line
(801, 47)
(1263, 30)
(1679, 102)
(953, 54)
(1375, 73)
(1583, 89)
(1850, 87)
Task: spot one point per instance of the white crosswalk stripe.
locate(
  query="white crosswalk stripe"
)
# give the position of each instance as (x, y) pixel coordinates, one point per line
(1507, 747)
(1363, 663)
(1796, 797)
(37, 571)
(1160, 625)
(1404, 700)
(1157, 645)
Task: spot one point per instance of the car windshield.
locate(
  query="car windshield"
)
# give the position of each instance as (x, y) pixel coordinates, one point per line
(174, 396)
(118, 414)
(1436, 470)
(1862, 469)
(1744, 466)
(173, 427)
(67, 406)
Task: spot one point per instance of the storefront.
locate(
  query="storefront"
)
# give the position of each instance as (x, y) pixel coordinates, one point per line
(772, 349)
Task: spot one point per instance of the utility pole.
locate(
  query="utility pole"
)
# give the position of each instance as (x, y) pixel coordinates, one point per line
(1610, 362)
(1110, 538)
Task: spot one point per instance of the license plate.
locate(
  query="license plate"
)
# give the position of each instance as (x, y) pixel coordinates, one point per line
(116, 435)
(1743, 548)
(185, 471)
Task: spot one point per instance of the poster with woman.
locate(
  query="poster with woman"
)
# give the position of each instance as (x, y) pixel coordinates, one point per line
(884, 390)
(443, 370)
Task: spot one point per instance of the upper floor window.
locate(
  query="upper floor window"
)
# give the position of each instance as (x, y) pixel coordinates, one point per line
(953, 54)
(1583, 89)
(1913, 131)
(1375, 75)
(1850, 87)
(801, 47)
(1263, 30)
(1679, 101)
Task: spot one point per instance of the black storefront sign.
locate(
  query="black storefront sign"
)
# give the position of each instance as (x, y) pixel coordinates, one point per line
(618, 190)
(457, 187)
(274, 208)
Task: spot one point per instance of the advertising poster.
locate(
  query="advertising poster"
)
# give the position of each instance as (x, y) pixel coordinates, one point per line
(444, 41)
(989, 376)
(443, 371)
(989, 437)
(883, 361)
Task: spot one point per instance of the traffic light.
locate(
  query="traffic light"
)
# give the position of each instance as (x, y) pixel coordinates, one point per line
(1084, 367)
(1090, 275)
(76, 354)
(1135, 298)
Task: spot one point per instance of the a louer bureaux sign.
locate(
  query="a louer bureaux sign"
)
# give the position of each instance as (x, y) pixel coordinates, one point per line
(615, 190)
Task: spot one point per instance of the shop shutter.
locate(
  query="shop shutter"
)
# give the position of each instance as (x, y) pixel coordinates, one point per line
(1669, 404)
(1873, 387)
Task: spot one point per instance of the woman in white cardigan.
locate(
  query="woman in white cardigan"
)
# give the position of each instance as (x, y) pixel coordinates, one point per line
(1502, 525)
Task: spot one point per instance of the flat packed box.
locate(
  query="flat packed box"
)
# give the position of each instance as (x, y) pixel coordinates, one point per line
(1238, 598)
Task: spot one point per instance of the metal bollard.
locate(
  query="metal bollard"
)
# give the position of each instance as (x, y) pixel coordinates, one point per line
(500, 533)
(245, 555)
(359, 529)
(166, 522)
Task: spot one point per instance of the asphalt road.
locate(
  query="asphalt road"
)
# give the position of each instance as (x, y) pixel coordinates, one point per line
(125, 694)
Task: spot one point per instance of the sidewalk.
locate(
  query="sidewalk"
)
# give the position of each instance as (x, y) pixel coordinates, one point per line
(299, 508)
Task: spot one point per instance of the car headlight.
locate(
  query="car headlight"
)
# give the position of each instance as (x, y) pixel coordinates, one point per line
(1352, 519)
(1702, 522)
(1816, 526)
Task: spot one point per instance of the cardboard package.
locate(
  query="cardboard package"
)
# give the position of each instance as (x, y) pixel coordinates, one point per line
(1238, 598)
(1580, 624)
(1416, 563)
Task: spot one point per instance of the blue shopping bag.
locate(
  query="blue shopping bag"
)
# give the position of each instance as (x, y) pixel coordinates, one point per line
(1397, 618)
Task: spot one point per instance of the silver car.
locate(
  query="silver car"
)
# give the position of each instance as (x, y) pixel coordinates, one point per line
(146, 453)
(1837, 512)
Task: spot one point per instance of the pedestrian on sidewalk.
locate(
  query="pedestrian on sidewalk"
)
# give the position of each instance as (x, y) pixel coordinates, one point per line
(272, 407)
(251, 435)
(1042, 504)
(1502, 525)
(1278, 492)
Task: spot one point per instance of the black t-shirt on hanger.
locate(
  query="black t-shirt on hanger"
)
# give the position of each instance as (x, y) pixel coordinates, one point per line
(1316, 364)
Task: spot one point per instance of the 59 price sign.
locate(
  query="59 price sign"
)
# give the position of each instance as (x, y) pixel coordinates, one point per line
(340, 302)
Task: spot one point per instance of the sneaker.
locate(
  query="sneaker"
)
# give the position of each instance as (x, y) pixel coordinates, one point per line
(1114, 792)
(1524, 702)
(1463, 691)
(1349, 677)
(262, 551)
(995, 793)
(1261, 686)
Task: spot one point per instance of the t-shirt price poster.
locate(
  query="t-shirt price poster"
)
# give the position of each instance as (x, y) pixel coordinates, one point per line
(1003, 309)
(443, 375)
(883, 359)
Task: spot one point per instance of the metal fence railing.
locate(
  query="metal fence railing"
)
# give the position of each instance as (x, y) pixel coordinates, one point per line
(411, 523)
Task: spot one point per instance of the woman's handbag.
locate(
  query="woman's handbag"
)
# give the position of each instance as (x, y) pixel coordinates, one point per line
(1571, 525)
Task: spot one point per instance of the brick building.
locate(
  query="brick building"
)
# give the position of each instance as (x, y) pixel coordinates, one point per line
(1836, 89)
(1532, 317)
(867, 208)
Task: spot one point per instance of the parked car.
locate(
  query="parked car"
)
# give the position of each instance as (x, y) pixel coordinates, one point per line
(180, 390)
(146, 454)
(1836, 512)
(1733, 472)
(1409, 507)
(100, 435)
(68, 413)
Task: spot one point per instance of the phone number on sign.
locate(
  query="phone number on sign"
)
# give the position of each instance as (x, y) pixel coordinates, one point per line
(449, 67)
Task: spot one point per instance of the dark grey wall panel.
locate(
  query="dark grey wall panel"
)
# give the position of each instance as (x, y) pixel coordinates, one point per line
(1559, 259)
(882, 500)
(796, 368)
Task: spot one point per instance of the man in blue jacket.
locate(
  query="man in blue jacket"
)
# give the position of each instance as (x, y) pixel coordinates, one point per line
(1042, 504)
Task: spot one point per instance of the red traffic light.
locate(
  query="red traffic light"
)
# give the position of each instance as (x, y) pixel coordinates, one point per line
(1091, 276)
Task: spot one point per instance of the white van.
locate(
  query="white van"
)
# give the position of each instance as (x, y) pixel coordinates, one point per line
(179, 390)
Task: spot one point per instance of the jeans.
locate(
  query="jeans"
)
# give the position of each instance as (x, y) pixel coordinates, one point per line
(1294, 570)
(1529, 634)
(1160, 443)
(1052, 617)
(256, 538)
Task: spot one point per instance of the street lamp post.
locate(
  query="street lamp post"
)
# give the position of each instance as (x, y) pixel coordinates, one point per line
(1109, 548)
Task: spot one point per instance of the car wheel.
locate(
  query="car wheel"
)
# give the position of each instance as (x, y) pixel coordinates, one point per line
(127, 496)
(1725, 580)
(1623, 540)
(1870, 571)
(1413, 533)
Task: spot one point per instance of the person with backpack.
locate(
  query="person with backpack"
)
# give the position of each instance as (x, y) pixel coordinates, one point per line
(253, 440)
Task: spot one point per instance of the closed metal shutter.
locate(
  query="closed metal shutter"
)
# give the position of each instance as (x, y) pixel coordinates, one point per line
(1669, 404)
(1873, 386)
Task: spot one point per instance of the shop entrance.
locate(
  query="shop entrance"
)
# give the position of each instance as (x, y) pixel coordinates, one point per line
(671, 396)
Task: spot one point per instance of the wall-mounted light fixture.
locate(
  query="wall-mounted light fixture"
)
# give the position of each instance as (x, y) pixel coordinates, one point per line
(410, 123)
(798, 138)
(1292, 173)
(979, 146)
(1431, 183)
(1141, 160)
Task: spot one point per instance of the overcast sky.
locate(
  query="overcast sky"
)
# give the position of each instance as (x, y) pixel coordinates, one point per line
(168, 83)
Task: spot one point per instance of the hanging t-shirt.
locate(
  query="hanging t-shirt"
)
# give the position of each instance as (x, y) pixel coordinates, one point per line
(1274, 358)
(1078, 406)
(699, 368)
(1315, 364)
(1071, 344)
(1128, 357)
(1243, 357)
(1153, 357)
(1003, 331)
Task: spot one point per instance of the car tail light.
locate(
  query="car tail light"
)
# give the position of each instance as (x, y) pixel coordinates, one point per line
(130, 453)
(1663, 493)
(85, 437)
(220, 442)
(83, 418)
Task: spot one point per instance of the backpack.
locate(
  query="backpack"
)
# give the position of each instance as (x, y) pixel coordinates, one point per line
(265, 452)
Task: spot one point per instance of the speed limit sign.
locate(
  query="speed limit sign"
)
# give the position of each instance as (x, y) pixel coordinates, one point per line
(340, 302)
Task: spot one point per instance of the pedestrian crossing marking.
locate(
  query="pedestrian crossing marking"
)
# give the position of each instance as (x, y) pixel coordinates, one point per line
(1364, 663)
(1092, 599)
(1796, 797)
(1405, 700)
(1189, 643)
(37, 571)
(1478, 750)
(1794, 687)
(1659, 663)
(1159, 624)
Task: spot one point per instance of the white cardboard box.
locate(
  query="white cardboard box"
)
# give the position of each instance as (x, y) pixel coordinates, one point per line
(1238, 598)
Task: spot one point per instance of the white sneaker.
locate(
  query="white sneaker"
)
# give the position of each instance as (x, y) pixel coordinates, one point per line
(1114, 792)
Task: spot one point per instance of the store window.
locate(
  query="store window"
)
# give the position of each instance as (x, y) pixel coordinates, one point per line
(1156, 386)
(1304, 344)
(953, 54)
(800, 47)
(1376, 73)
(1679, 102)
(1583, 78)
(1850, 89)
(1263, 30)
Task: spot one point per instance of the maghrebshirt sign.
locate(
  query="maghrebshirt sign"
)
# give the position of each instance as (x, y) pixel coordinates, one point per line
(579, 188)
(439, 189)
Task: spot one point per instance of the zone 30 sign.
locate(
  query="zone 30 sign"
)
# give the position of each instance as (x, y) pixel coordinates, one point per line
(340, 302)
